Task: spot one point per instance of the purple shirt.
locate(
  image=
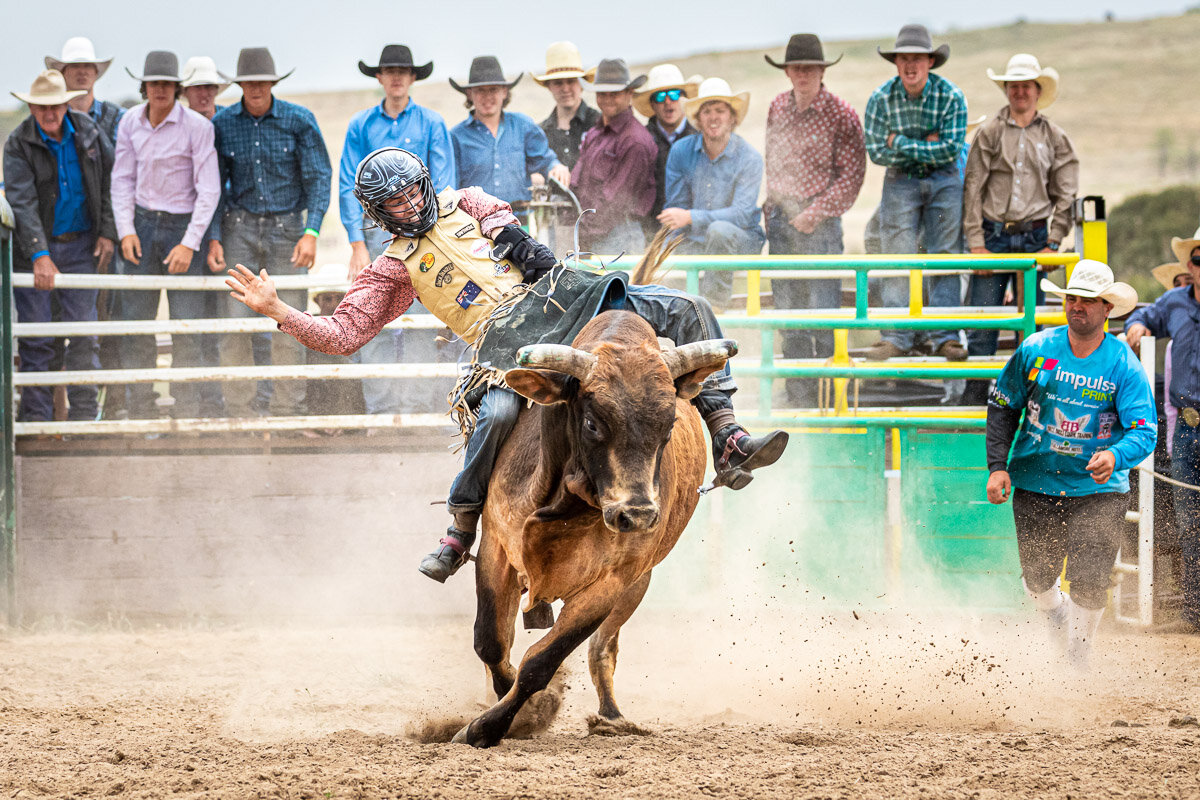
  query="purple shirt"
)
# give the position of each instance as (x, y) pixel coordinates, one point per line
(615, 173)
(170, 168)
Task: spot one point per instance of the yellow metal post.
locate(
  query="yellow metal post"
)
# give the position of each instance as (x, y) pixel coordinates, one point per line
(841, 357)
(753, 289)
(916, 301)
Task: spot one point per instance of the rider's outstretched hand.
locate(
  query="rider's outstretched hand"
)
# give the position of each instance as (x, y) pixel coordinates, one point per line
(257, 292)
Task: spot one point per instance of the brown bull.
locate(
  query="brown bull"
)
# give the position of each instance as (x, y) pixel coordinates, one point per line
(592, 490)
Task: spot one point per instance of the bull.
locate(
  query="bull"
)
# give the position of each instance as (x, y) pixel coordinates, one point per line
(590, 492)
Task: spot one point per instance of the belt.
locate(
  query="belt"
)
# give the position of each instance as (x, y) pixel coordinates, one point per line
(1025, 226)
(1190, 417)
(70, 236)
(150, 212)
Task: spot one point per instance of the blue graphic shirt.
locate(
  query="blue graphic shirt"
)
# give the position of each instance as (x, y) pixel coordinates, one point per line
(501, 164)
(1073, 408)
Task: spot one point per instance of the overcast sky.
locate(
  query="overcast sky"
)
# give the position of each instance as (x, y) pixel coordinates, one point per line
(324, 40)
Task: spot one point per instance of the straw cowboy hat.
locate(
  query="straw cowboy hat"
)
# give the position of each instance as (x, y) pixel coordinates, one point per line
(48, 89)
(1095, 279)
(803, 49)
(485, 71)
(718, 89)
(612, 75)
(256, 64)
(1024, 67)
(396, 55)
(562, 61)
(663, 76)
(161, 65)
(916, 39)
(202, 71)
(1166, 273)
(78, 50)
(1182, 248)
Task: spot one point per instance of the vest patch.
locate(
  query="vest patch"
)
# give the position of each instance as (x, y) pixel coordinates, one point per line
(444, 276)
(481, 248)
(426, 262)
(502, 267)
(468, 294)
(463, 231)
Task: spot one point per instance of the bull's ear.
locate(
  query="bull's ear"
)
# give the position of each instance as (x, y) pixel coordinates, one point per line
(688, 385)
(542, 386)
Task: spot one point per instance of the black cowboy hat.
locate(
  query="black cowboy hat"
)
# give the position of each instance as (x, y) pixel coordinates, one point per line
(916, 39)
(485, 71)
(396, 55)
(803, 48)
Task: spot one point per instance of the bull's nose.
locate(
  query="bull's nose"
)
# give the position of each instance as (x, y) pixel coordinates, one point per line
(629, 517)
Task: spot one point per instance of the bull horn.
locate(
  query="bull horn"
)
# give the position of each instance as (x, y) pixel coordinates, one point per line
(694, 355)
(557, 357)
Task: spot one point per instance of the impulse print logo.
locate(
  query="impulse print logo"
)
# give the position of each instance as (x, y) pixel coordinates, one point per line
(1042, 369)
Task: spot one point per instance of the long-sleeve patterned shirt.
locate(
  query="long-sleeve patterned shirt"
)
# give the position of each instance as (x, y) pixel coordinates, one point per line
(273, 164)
(1017, 174)
(383, 291)
(615, 174)
(170, 168)
(815, 157)
(941, 108)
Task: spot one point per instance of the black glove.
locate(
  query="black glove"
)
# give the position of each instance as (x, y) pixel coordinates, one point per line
(532, 257)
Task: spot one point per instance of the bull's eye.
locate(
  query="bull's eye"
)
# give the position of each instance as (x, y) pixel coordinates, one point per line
(590, 425)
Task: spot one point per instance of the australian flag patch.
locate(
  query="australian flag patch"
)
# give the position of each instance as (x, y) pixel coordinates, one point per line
(468, 294)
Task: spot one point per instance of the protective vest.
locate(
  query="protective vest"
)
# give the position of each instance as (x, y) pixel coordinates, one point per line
(451, 268)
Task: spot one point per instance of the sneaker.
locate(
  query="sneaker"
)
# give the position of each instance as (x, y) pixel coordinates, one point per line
(455, 551)
(882, 351)
(1059, 624)
(952, 351)
(736, 453)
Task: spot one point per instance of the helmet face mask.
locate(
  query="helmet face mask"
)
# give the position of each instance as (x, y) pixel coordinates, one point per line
(396, 192)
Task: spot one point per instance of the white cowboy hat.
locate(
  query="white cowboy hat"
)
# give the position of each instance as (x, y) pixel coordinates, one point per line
(335, 278)
(78, 50)
(975, 123)
(1182, 248)
(562, 62)
(718, 89)
(1024, 67)
(1166, 273)
(1095, 279)
(202, 71)
(48, 89)
(663, 76)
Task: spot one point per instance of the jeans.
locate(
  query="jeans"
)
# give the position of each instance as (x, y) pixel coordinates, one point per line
(674, 315)
(794, 293)
(263, 242)
(931, 206)
(988, 290)
(722, 239)
(1185, 466)
(159, 232)
(76, 305)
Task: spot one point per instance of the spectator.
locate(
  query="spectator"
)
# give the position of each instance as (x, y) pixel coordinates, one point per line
(329, 397)
(56, 167)
(1019, 192)
(615, 171)
(1177, 315)
(165, 189)
(201, 85)
(500, 151)
(661, 100)
(571, 117)
(1171, 276)
(816, 161)
(915, 125)
(397, 121)
(81, 69)
(712, 184)
(275, 175)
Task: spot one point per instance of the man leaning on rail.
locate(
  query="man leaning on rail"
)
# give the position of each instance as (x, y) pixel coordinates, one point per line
(463, 255)
(1089, 418)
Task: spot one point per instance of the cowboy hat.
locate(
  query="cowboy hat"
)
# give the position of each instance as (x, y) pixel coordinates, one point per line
(916, 39)
(611, 75)
(1024, 67)
(1182, 248)
(202, 71)
(78, 50)
(1095, 279)
(562, 61)
(718, 89)
(334, 278)
(396, 55)
(485, 71)
(975, 123)
(256, 64)
(48, 89)
(161, 65)
(803, 49)
(1166, 273)
(663, 76)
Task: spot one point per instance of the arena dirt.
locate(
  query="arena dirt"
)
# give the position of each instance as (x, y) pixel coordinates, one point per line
(792, 703)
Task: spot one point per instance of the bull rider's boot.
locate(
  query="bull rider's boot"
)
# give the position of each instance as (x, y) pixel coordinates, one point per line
(736, 453)
(455, 548)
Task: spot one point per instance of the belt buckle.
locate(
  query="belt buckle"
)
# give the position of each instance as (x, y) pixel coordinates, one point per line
(1190, 417)
(1012, 227)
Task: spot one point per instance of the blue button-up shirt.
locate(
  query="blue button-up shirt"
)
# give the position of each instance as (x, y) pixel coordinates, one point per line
(272, 164)
(70, 209)
(417, 129)
(1177, 314)
(724, 188)
(501, 164)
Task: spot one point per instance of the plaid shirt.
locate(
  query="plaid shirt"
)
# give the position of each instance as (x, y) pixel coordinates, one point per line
(274, 164)
(941, 109)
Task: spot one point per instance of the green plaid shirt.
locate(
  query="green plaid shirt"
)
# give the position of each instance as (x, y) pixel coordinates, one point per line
(941, 109)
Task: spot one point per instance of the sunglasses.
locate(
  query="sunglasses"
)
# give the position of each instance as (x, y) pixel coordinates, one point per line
(1196, 261)
(665, 94)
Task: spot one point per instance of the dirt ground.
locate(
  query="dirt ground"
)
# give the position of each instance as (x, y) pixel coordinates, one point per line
(806, 703)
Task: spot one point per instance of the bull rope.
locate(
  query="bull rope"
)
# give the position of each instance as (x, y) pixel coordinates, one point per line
(1165, 479)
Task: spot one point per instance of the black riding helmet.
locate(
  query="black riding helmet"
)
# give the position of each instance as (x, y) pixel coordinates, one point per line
(387, 172)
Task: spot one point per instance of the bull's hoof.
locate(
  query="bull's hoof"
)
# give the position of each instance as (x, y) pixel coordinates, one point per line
(602, 726)
(466, 736)
(540, 617)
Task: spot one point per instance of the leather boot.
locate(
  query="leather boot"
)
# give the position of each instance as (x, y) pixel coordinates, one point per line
(454, 550)
(736, 453)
